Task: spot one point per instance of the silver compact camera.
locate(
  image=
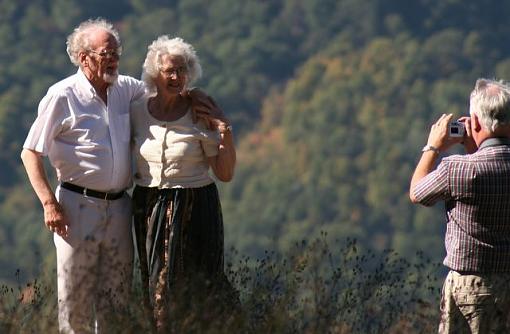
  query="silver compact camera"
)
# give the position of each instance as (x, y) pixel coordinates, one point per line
(456, 129)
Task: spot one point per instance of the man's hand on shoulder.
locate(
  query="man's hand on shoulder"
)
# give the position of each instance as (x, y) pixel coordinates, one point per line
(205, 108)
(199, 99)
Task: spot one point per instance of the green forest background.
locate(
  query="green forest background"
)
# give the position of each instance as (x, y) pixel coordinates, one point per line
(331, 102)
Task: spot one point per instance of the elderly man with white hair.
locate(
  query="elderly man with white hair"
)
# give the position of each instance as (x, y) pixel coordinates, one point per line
(476, 190)
(83, 126)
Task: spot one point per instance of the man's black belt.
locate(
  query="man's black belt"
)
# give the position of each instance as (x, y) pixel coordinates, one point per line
(92, 193)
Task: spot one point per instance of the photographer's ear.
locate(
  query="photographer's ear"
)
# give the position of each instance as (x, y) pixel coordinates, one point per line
(475, 123)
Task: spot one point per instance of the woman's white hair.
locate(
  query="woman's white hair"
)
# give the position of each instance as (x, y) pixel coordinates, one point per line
(162, 46)
(490, 101)
(79, 39)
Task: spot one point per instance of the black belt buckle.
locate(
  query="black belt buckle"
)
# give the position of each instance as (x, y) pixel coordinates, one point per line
(84, 192)
(96, 194)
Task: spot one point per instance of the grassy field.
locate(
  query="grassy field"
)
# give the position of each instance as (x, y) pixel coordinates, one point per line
(315, 288)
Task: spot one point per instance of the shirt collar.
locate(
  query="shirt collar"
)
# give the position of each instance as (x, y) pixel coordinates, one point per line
(85, 83)
(494, 142)
(87, 86)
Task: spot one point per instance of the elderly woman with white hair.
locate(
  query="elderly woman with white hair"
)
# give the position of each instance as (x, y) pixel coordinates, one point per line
(178, 218)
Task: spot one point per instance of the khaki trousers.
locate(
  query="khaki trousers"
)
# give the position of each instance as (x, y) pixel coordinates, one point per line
(94, 262)
(475, 303)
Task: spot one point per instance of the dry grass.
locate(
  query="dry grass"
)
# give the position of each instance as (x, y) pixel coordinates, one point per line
(313, 289)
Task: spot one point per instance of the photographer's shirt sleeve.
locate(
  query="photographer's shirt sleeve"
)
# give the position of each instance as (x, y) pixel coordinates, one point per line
(435, 186)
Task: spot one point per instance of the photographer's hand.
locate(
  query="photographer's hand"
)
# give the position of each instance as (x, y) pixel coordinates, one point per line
(438, 136)
(468, 141)
(440, 141)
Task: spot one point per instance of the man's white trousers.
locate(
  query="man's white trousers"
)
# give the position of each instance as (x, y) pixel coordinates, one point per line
(94, 262)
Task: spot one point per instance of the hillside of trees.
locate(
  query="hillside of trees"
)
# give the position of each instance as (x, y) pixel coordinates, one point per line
(331, 102)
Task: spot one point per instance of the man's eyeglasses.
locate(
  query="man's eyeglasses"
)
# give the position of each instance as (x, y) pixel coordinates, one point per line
(108, 54)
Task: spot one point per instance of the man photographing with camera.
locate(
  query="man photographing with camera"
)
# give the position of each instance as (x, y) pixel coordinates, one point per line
(476, 190)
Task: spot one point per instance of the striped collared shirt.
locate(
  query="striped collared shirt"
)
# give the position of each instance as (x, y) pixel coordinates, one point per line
(476, 191)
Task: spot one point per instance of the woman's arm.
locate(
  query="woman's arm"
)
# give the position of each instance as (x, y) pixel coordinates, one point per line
(223, 164)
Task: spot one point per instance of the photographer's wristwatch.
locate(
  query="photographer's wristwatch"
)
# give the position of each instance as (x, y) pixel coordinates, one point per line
(430, 148)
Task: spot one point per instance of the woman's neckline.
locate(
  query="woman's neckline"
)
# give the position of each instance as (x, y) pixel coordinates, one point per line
(180, 116)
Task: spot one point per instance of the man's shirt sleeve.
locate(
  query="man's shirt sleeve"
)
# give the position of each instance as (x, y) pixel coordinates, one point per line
(433, 187)
(49, 122)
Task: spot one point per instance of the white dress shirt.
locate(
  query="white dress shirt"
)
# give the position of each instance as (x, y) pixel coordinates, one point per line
(87, 141)
(171, 154)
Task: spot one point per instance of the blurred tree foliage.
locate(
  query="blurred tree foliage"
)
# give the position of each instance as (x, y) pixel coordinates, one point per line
(331, 101)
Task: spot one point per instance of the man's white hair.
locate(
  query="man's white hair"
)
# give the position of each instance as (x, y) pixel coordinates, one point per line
(490, 101)
(162, 46)
(79, 40)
